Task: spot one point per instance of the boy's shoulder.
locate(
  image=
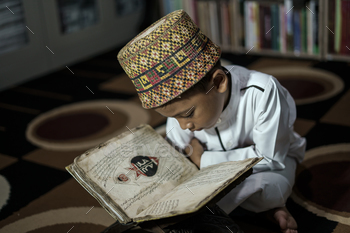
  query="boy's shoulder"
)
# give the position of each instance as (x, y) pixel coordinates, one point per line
(252, 78)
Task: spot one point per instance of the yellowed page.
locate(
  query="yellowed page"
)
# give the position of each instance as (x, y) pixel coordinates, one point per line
(196, 191)
(134, 170)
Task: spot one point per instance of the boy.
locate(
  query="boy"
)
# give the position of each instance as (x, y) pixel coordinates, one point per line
(233, 112)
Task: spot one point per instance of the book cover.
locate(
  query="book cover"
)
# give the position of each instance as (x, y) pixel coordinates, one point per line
(256, 25)
(225, 23)
(261, 22)
(338, 27)
(289, 24)
(309, 27)
(316, 27)
(303, 25)
(283, 32)
(274, 30)
(296, 31)
(214, 22)
(345, 34)
(267, 26)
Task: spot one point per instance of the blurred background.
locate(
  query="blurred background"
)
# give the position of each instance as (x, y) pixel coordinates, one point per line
(62, 91)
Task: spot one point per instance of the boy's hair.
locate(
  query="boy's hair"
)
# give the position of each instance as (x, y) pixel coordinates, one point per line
(200, 86)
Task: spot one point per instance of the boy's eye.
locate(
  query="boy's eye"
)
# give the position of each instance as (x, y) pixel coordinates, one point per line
(189, 116)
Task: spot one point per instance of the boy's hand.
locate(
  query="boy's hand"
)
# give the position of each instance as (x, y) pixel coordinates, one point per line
(197, 152)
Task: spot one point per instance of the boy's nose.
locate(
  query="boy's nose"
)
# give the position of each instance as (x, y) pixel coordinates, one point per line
(185, 124)
(188, 125)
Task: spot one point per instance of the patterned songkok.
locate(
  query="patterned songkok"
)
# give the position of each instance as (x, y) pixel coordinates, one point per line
(168, 58)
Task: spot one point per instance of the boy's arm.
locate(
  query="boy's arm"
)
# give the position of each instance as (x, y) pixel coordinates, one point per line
(177, 136)
(184, 139)
(272, 132)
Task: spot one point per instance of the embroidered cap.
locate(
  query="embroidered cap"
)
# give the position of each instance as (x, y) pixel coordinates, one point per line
(168, 58)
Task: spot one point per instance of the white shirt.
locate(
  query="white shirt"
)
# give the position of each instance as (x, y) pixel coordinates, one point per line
(257, 122)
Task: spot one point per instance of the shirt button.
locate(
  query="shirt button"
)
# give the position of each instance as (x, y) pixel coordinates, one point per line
(219, 121)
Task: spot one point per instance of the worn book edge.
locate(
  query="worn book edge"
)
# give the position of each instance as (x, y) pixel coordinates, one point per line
(105, 201)
(204, 201)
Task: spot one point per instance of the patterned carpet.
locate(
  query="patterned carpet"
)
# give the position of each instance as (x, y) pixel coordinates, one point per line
(48, 121)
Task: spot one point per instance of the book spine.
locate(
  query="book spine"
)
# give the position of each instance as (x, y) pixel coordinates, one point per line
(262, 26)
(233, 30)
(296, 21)
(256, 26)
(167, 9)
(179, 4)
(303, 30)
(274, 21)
(247, 24)
(225, 23)
(278, 45)
(338, 27)
(268, 26)
(331, 26)
(345, 36)
(194, 10)
(289, 24)
(186, 7)
(214, 22)
(282, 28)
(201, 19)
(207, 19)
(316, 26)
(310, 33)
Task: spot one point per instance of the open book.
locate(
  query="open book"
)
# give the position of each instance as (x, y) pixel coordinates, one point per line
(138, 176)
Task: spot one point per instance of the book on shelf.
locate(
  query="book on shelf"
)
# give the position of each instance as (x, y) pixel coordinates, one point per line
(337, 30)
(225, 23)
(214, 22)
(275, 18)
(338, 27)
(297, 31)
(345, 32)
(282, 27)
(278, 26)
(138, 176)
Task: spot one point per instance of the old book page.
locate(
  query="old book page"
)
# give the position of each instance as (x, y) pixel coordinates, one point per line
(197, 190)
(129, 173)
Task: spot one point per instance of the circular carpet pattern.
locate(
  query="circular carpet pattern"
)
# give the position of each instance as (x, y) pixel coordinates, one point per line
(5, 191)
(83, 125)
(306, 84)
(60, 216)
(322, 183)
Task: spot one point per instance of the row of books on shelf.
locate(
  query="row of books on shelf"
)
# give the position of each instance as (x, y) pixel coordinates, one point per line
(259, 25)
(339, 27)
(282, 27)
(279, 26)
(214, 18)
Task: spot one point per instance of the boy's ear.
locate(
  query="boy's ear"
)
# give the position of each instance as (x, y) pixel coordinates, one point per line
(220, 80)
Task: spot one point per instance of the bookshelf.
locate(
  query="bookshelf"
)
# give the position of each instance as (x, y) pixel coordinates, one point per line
(337, 36)
(284, 28)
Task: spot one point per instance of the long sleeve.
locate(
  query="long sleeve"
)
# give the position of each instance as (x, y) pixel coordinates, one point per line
(272, 118)
(176, 135)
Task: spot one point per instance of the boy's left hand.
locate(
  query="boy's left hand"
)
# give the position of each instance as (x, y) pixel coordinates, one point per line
(198, 150)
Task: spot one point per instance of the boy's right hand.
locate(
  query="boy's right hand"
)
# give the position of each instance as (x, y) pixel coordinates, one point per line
(197, 151)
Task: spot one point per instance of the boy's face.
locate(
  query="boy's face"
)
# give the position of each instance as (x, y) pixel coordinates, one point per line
(200, 110)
